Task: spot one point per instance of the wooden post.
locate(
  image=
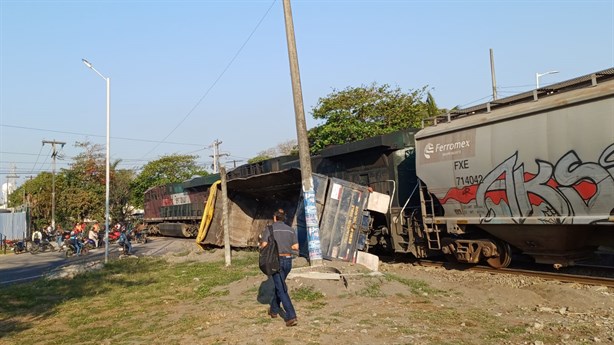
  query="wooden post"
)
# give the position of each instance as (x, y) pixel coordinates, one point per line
(225, 216)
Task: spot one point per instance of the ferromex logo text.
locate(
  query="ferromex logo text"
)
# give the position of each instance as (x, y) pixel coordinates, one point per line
(449, 146)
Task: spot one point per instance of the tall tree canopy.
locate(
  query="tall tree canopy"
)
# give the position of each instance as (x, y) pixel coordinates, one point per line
(167, 169)
(357, 113)
(80, 190)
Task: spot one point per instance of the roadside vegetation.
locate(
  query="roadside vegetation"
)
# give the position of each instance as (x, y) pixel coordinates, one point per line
(119, 302)
(175, 301)
(343, 116)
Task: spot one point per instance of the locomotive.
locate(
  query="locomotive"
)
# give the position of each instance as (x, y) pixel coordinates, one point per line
(530, 174)
(176, 209)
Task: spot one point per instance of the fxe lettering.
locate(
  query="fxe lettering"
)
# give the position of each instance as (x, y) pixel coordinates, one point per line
(460, 165)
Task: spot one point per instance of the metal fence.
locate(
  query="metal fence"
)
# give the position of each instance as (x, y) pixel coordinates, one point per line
(13, 226)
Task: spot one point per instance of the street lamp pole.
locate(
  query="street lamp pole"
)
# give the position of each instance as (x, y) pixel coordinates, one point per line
(537, 75)
(107, 176)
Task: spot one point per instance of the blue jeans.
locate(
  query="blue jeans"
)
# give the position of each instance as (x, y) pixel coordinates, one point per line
(77, 245)
(281, 289)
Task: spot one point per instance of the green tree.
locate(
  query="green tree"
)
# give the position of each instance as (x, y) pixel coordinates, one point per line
(167, 169)
(80, 190)
(37, 194)
(361, 112)
(83, 195)
(120, 194)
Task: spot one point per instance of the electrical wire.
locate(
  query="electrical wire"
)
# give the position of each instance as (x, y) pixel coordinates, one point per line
(99, 135)
(37, 157)
(216, 80)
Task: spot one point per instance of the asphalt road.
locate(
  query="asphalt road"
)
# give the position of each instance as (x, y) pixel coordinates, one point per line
(26, 267)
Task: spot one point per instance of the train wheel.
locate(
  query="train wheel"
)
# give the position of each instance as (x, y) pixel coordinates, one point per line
(186, 231)
(154, 230)
(505, 256)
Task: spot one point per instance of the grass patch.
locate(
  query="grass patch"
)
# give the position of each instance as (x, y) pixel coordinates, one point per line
(306, 293)
(106, 304)
(416, 287)
(372, 289)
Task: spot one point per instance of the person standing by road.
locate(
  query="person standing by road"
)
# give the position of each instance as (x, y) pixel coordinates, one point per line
(287, 244)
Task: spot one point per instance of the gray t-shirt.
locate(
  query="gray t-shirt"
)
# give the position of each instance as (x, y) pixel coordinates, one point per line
(285, 236)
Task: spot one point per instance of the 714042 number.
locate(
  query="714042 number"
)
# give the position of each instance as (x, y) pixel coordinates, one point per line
(469, 180)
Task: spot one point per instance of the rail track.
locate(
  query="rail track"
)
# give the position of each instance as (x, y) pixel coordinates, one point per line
(578, 278)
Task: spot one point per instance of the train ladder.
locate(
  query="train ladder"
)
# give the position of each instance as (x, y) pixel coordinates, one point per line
(431, 229)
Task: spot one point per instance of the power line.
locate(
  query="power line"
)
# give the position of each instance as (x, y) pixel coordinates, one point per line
(216, 80)
(99, 135)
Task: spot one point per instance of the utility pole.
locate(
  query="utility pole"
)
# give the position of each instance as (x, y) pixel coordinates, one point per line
(225, 218)
(492, 75)
(216, 155)
(54, 154)
(311, 215)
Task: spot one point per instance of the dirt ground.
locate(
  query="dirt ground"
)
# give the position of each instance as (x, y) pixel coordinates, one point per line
(405, 304)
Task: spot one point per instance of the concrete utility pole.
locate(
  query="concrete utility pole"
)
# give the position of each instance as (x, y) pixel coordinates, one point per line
(216, 155)
(311, 215)
(492, 75)
(53, 155)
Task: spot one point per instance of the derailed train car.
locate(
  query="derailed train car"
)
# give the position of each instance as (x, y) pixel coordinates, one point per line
(532, 173)
(529, 174)
(252, 200)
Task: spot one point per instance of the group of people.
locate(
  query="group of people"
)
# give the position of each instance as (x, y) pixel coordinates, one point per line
(80, 234)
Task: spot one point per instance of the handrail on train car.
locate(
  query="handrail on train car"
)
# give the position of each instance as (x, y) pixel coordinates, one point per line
(395, 219)
(585, 81)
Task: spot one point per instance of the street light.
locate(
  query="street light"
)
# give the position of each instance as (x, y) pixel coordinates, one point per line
(537, 75)
(107, 177)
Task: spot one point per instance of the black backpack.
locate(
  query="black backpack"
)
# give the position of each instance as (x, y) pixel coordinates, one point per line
(269, 255)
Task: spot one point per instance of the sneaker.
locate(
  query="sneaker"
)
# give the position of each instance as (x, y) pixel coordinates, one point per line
(272, 315)
(291, 322)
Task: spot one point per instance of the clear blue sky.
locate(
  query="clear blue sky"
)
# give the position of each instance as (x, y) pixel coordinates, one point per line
(190, 72)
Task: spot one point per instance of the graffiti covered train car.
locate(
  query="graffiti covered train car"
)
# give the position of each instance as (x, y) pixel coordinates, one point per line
(533, 173)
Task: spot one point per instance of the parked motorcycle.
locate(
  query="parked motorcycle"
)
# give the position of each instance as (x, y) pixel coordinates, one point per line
(17, 247)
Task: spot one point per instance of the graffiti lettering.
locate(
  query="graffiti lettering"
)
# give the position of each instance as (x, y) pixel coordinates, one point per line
(569, 191)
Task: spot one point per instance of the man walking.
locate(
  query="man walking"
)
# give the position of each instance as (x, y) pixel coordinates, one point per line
(287, 243)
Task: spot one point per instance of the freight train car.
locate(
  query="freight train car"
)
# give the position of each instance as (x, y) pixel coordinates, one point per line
(530, 174)
(533, 173)
(385, 164)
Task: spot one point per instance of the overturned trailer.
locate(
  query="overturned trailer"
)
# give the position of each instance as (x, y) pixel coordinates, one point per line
(341, 207)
